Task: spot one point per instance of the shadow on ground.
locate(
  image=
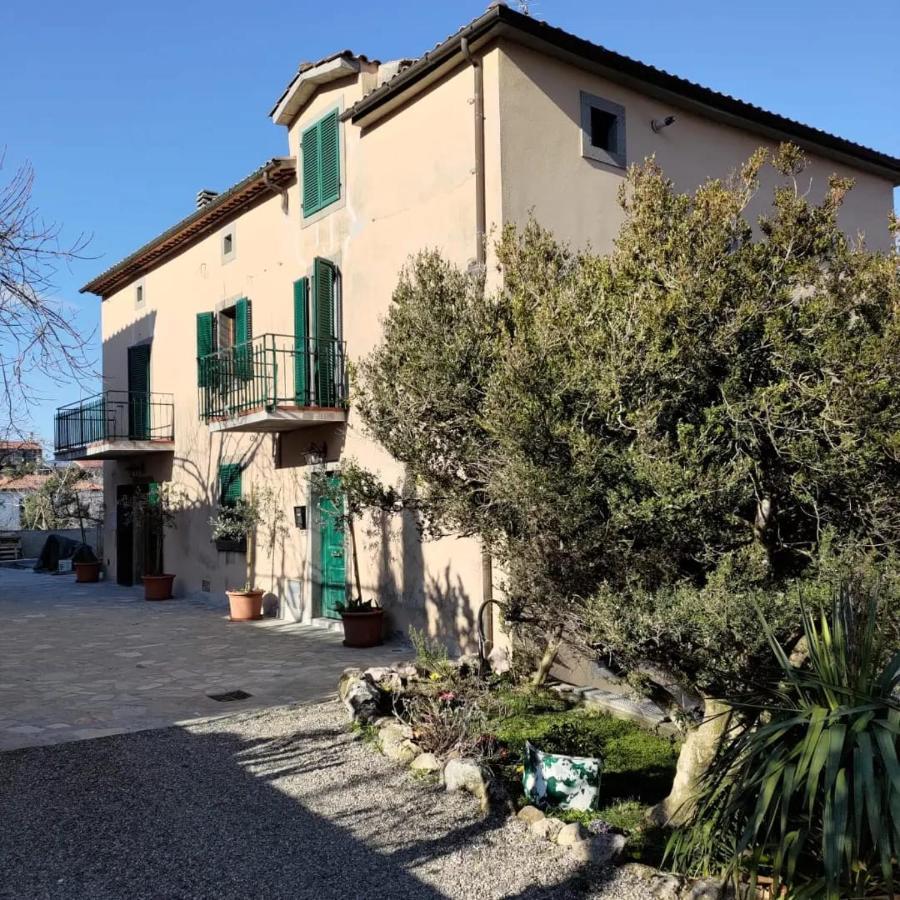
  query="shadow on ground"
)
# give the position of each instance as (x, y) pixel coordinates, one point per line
(210, 813)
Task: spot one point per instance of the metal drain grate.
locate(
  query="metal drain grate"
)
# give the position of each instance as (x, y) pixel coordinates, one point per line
(230, 695)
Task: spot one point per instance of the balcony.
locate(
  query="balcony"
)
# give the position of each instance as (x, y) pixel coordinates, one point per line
(275, 382)
(115, 425)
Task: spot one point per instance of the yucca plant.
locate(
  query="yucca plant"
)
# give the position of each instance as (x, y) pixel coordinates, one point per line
(807, 788)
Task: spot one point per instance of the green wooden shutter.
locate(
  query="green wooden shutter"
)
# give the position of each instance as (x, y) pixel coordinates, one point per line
(321, 147)
(229, 484)
(243, 335)
(310, 149)
(204, 347)
(301, 342)
(139, 392)
(323, 312)
(330, 162)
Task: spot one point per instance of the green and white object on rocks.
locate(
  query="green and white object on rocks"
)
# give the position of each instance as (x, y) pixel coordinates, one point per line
(563, 782)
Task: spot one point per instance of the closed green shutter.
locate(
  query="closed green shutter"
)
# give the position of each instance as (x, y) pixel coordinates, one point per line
(321, 147)
(229, 484)
(301, 342)
(139, 392)
(310, 149)
(326, 351)
(204, 347)
(243, 335)
(330, 162)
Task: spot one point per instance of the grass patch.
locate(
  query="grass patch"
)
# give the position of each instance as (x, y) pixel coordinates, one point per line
(637, 764)
(638, 767)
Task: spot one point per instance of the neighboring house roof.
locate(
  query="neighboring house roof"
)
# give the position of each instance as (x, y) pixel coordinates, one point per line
(34, 482)
(310, 76)
(92, 464)
(500, 21)
(19, 445)
(275, 175)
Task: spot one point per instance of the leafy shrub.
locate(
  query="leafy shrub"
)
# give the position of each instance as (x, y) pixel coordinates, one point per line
(809, 789)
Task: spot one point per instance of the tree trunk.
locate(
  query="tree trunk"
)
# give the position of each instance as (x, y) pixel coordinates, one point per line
(355, 559)
(553, 644)
(697, 752)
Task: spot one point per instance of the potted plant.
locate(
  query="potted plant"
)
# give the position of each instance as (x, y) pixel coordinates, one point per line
(156, 512)
(363, 622)
(87, 571)
(234, 527)
(565, 771)
(355, 491)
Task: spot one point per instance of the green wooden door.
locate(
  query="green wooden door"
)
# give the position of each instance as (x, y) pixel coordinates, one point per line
(332, 562)
(139, 392)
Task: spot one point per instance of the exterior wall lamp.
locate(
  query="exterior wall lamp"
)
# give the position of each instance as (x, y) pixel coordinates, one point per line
(658, 124)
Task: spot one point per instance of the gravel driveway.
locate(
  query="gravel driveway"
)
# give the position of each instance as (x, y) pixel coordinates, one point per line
(280, 803)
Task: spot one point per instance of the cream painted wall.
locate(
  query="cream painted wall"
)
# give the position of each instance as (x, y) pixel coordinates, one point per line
(543, 168)
(408, 183)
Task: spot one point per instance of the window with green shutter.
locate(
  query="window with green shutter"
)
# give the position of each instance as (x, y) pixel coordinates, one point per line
(301, 342)
(229, 484)
(321, 149)
(325, 324)
(204, 347)
(243, 335)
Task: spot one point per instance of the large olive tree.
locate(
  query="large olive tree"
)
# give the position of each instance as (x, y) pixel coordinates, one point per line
(665, 441)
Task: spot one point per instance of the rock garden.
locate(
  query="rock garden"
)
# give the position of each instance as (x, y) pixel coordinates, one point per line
(582, 779)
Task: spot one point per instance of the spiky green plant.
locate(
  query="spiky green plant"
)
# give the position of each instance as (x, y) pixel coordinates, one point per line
(808, 789)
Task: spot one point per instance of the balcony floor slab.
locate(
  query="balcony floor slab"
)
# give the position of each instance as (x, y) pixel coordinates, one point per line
(115, 449)
(281, 418)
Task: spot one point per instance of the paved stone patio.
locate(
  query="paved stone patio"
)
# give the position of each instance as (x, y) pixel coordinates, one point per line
(88, 660)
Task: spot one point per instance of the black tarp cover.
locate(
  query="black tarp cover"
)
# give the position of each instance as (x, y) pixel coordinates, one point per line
(57, 547)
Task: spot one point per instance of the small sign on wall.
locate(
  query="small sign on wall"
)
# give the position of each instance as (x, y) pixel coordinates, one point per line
(64, 565)
(300, 517)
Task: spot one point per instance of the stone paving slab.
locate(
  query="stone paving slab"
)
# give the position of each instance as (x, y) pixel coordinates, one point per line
(90, 660)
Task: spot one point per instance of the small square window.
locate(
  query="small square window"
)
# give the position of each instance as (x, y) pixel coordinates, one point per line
(602, 130)
(228, 246)
(139, 295)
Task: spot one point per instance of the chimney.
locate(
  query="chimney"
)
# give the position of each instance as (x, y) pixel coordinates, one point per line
(205, 196)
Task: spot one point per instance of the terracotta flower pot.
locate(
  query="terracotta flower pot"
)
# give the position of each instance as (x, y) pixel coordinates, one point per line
(245, 605)
(87, 572)
(158, 587)
(363, 628)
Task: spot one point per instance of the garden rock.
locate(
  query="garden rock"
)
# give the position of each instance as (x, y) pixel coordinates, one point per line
(466, 775)
(360, 697)
(640, 871)
(379, 673)
(530, 814)
(426, 762)
(625, 707)
(703, 889)
(396, 743)
(599, 850)
(498, 660)
(666, 887)
(546, 828)
(571, 834)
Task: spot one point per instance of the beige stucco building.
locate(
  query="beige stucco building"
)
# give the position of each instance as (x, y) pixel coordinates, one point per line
(279, 280)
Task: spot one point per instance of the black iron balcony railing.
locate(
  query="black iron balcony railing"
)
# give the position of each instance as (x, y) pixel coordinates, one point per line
(115, 416)
(272, 370)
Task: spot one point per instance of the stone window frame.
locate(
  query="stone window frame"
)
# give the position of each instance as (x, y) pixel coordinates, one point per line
(615, 158)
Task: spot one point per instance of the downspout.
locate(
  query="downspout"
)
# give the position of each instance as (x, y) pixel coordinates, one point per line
(486, 629)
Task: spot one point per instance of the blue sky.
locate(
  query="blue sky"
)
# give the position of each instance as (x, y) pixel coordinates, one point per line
(126, 110)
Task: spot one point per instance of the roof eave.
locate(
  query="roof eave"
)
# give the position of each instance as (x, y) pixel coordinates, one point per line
(502, 22)
(275, 175)
(307, 82)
